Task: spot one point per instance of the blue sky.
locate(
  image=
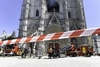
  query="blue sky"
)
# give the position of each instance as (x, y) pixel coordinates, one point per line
(10, 11)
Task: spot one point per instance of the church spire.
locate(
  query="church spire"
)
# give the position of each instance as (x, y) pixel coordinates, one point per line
(13, 34)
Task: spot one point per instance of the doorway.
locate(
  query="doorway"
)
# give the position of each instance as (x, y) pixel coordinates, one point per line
(54, 45)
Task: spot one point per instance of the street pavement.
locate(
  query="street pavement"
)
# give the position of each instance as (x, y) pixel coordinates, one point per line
(93, 61)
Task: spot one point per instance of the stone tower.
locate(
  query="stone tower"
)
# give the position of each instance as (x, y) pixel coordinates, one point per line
(50, 16)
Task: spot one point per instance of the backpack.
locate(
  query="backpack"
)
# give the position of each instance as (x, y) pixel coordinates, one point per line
(50, 50)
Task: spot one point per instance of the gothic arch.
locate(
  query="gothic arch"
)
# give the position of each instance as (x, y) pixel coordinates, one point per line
(52, 5)
(53, 28)
(37, 12)
(31, 28)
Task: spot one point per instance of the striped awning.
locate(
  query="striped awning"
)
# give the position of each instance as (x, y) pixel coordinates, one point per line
(53, 36)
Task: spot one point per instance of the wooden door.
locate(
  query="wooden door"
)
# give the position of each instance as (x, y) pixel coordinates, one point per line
(50, 45)
(57, 46)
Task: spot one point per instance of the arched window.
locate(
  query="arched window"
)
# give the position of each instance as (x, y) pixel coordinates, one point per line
(52, 5)
(69, 14)
(37, 12)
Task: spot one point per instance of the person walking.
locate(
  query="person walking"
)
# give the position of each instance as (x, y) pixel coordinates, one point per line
(34, 53)
(22, 51)
(29, 52)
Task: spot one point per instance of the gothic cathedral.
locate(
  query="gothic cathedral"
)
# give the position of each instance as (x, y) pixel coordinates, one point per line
(50, 16)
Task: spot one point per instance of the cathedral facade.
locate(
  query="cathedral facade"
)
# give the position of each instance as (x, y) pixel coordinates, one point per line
(40, 17)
